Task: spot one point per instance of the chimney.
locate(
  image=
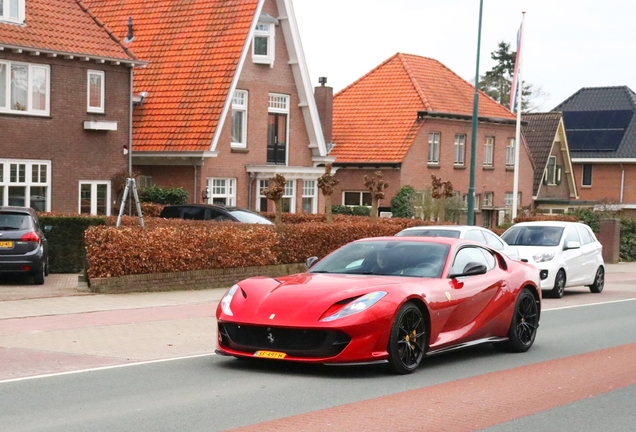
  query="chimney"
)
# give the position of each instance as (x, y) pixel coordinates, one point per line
(130, 36)
(324, 102)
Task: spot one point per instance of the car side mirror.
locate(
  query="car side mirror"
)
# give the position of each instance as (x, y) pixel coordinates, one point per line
(48, 228)
(572, 245)
(311, 261)
(471, 269)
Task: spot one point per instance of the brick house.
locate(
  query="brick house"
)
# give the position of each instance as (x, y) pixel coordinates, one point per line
(228, 101)
(601, 129)
(554, 187)
(64, 107)
(411, 117)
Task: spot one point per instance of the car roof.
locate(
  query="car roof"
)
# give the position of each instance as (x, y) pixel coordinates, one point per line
(460, 228)
(17, 209)
(547, 223)
(445, 240)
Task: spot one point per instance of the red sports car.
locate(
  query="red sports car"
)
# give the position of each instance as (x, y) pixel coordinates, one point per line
(383, 299)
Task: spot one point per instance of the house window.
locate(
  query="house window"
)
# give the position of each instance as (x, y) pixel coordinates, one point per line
(95, 91)
(488, 199)
(277, 129)
(587, 175)
(433, 148)
(509, 196)
(357, 199)
(460, 149)
(12, 10)
(239, 119)
(144, 181)
(94, 197)
(289, 197)
(510, 153)
(222, 191)
(261, 204)
(264, 43)
(552, 174)
(489, 150)
(24, 88)
(25, 183)
(309, 196)
(477, 199)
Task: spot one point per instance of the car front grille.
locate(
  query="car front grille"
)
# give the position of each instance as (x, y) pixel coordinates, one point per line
(293, 342)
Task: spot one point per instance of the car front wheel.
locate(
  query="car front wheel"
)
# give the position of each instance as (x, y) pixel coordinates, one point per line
(407, 342)
(559, 285)
(599, 281)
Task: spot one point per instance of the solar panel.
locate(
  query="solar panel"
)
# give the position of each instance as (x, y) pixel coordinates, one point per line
(596, 130)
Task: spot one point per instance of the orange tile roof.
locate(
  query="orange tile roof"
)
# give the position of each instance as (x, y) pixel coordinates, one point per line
(63, 26)
(374, 119)
(194, 49)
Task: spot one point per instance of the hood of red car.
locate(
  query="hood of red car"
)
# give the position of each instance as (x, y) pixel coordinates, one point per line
(302, 299)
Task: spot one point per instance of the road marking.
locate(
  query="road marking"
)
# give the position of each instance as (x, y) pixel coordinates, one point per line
(105, 368)
(588, 304)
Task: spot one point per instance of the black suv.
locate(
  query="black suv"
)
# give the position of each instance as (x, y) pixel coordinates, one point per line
(212, 212)
(23, 246)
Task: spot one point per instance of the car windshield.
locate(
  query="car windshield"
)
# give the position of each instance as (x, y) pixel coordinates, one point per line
(14, 221)
(249, 217)
(533, 235)
(429, 232)
(398, 258)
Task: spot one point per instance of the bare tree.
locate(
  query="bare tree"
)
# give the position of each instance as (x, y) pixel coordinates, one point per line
(376, 185)
(326, 183)
(275, 191)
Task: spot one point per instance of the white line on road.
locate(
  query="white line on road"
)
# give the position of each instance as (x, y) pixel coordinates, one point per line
(589, 304)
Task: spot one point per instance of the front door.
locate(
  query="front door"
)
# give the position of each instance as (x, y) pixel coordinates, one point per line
(277, 139)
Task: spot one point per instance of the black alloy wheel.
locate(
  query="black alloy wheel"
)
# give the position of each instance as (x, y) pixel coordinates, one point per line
(599, 281)
(407, 342)
(524, 324)
(559, 285)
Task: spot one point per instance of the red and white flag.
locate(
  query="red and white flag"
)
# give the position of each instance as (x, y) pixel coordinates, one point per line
(515, 76)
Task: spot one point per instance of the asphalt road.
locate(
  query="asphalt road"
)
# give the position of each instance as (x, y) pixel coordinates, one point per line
(212, 393)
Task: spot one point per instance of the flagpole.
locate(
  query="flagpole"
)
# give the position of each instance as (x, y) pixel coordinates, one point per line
(515, 186)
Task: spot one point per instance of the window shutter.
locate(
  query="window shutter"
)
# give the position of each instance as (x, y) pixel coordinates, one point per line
(558, 174)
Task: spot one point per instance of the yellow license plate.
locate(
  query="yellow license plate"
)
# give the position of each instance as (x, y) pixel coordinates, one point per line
(270, 354)
(6, 244)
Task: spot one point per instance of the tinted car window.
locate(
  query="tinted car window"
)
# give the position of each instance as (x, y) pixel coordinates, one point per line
(249, 217)
(194, 213)
(533, 236)
(15, 221)
(171, 212)
(218, 216)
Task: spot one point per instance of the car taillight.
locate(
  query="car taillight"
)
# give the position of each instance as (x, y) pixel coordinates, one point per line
(31, 237)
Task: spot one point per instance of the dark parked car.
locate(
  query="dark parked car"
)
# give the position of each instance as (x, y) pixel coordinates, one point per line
(212, 212)
(23, 246)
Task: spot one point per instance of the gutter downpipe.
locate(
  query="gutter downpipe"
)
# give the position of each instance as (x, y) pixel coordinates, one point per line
(249, 190)
(622, 182)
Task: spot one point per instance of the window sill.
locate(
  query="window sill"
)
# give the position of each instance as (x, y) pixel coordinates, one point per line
(459, 167)
(510, 168)
(239, 150)
(586, 186)
(25, 113)
(99, 113)
(433, 166)
(488, 168)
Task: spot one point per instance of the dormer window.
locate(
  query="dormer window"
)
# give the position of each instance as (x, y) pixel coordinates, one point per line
(263, 45)
(12, 11)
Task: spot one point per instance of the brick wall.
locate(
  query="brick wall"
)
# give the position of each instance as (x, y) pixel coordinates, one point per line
(189, 280)
(606, 183)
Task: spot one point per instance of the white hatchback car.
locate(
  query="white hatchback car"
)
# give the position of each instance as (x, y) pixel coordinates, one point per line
(475, 233)
(566, 253)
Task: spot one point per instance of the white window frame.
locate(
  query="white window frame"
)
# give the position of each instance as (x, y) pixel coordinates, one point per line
(459, 148)
(510, 153)
(265, 30)
(94, 184)
(508, 200)
(5, 106)
(7, 12)
(290, 194)
(583, 184)
(262, 184)
(239, 104)
(360, 200)
(222, 188)
(310, 191)
(551, 180)
(433, 147)
(489, 151)
(102, 98)
(27, 181)
(489, 198)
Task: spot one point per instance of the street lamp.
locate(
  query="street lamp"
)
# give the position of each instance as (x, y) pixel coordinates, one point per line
(473, 147)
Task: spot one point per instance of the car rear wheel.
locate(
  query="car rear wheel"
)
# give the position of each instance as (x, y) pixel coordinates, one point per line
(559, 285)
(524, 324)
(599, 281)
(46, 267)
(38, 276)
(407, 342)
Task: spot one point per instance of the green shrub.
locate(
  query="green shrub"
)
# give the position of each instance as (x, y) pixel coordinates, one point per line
(628, 240)
(351, 210)
(402, 202)
(158, 195)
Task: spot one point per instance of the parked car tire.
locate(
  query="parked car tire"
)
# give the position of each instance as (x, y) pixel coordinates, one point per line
(559, 285)
(38, 276)
(408, 340)
(46, 267)
(524, 324)
(599, 281)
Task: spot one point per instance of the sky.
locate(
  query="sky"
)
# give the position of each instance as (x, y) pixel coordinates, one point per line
(567, 44)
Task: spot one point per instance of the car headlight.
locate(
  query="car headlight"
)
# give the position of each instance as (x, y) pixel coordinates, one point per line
(543, 256)
(358, 305)
(227, 299)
